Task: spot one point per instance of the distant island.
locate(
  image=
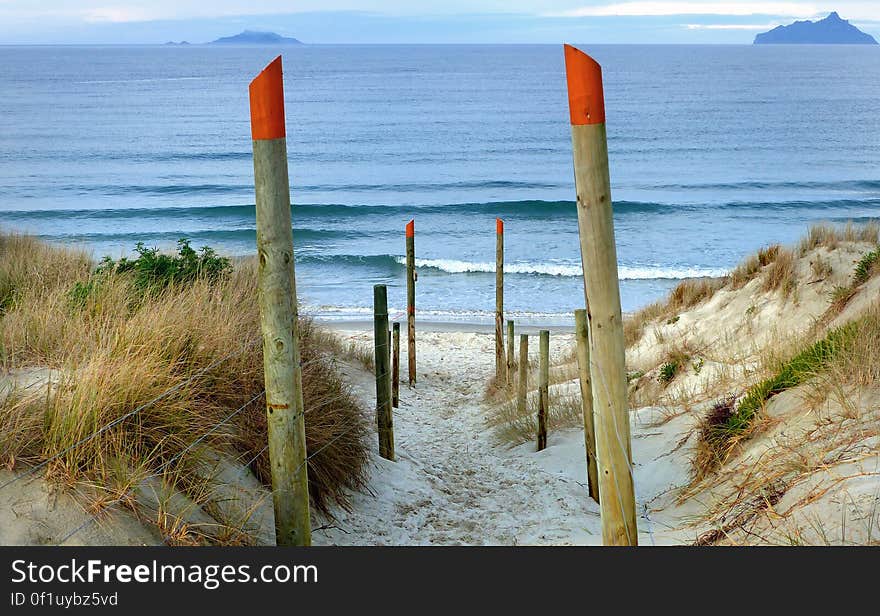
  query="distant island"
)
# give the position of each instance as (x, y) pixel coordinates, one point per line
(831, 30)
(252, 37)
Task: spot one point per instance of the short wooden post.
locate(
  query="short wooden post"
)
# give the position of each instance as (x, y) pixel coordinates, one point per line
(500, 362)
(582, 334)
(602, 292)
(522, 387)
(276, 295)
(411, 299)
(395, 366)
(384, 419)
(543, 387)
(390, 370)
(510, 360)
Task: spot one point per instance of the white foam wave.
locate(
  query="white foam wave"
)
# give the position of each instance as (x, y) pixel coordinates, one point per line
(454, 266)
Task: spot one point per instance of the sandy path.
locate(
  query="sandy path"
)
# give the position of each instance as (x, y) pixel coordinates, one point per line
(452, 483)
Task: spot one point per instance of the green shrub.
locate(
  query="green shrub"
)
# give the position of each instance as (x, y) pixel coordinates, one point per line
(792, 373)
(155, 271)
(865, 266)
(668, 372)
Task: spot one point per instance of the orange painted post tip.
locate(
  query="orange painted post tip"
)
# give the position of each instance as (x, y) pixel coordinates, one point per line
(267, 103)
(586, 98)
(499, 226)
(411, 228)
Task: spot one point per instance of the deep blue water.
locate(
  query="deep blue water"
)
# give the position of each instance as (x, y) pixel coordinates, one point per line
(714, 152)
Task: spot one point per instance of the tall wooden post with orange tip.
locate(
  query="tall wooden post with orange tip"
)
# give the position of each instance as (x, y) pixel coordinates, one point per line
(602, 293)
(500, 361)
(411, 299)
(276, 296)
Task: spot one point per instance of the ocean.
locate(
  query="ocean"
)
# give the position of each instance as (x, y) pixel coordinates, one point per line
(715, 151)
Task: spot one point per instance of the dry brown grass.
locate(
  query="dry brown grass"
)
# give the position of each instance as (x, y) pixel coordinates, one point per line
(830, 236)
(780, 273)
(687, 294)
(120, 349)
(634, 325)
(513, 428)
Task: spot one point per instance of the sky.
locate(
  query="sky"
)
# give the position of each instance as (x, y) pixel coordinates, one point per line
(413, 21)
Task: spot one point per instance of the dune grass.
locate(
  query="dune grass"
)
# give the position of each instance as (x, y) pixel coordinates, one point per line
(727, 422)
(775, 264)
(687, 294)
(514, 428)
(830, 236)
(119, 336)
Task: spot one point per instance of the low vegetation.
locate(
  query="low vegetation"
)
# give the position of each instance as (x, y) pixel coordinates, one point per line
(776, 265)
(176, 336)
(866, 268)
(513, 427)
(727, 423)
(779, 274)
(830, 236)
(687, 294)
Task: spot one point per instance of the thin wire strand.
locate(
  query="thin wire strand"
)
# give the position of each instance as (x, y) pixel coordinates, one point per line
(351, 426)
(161, 468)
(128, 415)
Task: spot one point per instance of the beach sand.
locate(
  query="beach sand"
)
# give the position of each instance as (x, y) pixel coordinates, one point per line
(454, 483)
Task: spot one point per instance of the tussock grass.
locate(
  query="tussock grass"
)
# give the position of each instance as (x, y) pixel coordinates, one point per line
(856, 363)
(821, 268)
(749, 269)
(513, 428)
(687, 294)
(115, 347)
(24, 260)
(726, 426)
(830, 236)
(867, 267)
(780, 274)
(776, 265)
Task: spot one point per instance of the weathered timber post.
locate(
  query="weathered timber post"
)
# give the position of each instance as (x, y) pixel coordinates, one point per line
(395, 366)
(276, 296)
(411, 299)
(602, 293)
(543, 387)
(384, 420)
(582, 334)
(522, 386)
(500, 363)
(510, 361)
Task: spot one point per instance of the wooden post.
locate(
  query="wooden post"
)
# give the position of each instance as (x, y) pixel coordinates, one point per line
(510, 360)
(543, 387)
(602, 293)
(384, 418)
(276, 296)
(500, 363)
(395, 366)
(411, 299)
(582, 334)
(522, 388)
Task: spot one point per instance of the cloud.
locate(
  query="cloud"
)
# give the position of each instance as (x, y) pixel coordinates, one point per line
(117, 14)
(651, 8)
(730, 26)
(856, 10)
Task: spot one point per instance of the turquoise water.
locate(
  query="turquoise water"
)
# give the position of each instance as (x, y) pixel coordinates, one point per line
(715, 151)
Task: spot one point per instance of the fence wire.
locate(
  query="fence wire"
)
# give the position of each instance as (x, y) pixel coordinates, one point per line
(128, 415)
(350, 426)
